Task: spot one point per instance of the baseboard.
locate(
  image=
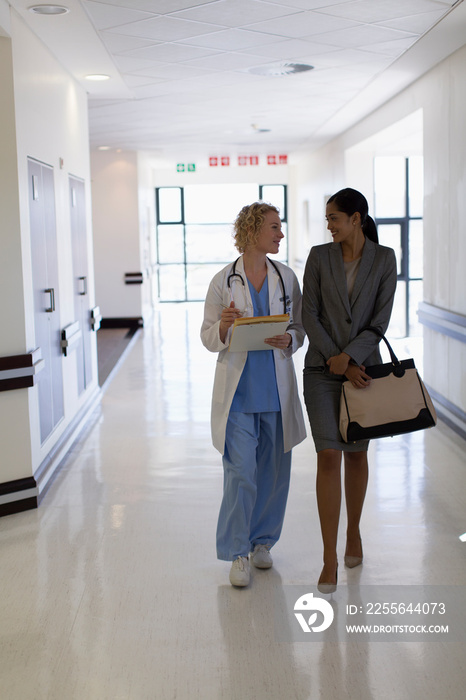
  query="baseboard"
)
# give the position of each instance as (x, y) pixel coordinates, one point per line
(18, 495)
(84, 420)
(127, 322)
(25, 494)
(449, 413)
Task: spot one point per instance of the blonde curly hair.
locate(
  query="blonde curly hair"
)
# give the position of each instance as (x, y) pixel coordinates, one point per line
(249, 222)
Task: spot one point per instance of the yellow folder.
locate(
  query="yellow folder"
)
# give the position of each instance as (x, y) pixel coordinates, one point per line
(250, 332)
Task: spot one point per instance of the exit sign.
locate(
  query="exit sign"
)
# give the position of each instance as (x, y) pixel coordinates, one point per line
(183, 167)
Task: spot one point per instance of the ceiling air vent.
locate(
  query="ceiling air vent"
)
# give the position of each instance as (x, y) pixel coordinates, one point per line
(273, 69)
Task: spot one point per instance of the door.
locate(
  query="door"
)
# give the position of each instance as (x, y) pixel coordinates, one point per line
(80, 281)
(46, 294)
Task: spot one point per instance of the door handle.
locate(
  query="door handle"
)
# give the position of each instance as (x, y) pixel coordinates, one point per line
(83, 291)
(51, 308)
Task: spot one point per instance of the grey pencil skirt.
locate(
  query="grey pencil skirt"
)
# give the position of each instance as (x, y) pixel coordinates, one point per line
(322, 398)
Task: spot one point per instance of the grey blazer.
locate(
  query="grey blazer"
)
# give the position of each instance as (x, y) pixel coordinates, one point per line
(333, 324)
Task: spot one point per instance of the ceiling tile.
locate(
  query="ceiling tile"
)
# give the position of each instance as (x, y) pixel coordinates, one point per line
(344, 57)
(392, 48)
(196, 90)
(235, 13)
(162, 7)
(166, 29)
(176, 71)
(116, 43)
(136, 80)
(128, 64)
(154, 89)
(106, 16)
(172, 52)
(370, 11)
(291, 49)
(362, 35)
(418, 24)
(227, 61)
(303, 24)
(168, 6)
(309, 4)
(231, 40)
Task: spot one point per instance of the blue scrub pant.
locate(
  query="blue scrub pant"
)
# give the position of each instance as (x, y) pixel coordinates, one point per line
(255, 486)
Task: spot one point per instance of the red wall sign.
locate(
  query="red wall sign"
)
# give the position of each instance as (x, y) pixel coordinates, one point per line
(273, 159)
(277, 160)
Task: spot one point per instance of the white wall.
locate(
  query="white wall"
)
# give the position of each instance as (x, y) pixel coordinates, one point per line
(166, 175)
(115, 215)
(14, 413)
(123, 213)
(45, 118)
(445, 212)
(146, 209)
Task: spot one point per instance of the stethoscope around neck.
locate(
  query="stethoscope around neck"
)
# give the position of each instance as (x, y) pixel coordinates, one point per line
(234, 274)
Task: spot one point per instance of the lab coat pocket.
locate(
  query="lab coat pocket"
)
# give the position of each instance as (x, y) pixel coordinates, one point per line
(220, 381)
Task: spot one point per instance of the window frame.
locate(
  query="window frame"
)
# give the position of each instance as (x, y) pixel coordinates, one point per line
(182, 222)
(404, 223)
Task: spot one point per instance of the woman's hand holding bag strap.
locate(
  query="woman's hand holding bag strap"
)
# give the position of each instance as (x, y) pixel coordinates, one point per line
(395, 402)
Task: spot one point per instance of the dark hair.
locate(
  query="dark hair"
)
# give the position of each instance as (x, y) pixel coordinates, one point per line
(351, 201)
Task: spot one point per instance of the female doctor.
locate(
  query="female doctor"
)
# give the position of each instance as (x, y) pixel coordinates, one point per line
(256, 411)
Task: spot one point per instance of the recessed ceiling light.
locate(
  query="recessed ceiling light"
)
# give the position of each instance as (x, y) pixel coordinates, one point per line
(280, 69)
(103, 148)
(48, 9)
(97, 77)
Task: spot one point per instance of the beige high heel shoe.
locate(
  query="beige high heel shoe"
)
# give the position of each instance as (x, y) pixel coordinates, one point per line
(328, 587)
(351, 562)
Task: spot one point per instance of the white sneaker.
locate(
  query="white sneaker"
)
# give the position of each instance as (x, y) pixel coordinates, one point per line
(240, 572)
(261, 557)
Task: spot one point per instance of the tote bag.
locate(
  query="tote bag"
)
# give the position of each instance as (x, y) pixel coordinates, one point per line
(395, 402)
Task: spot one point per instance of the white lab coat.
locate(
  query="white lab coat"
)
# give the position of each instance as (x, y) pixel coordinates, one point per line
(230, 365)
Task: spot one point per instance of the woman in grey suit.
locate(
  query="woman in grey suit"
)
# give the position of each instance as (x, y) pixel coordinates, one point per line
(348, 285)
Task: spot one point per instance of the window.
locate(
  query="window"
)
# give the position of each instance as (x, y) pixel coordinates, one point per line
(398, 209)
(194, 233)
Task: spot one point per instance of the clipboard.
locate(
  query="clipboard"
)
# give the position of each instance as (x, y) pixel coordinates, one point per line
(250, 332)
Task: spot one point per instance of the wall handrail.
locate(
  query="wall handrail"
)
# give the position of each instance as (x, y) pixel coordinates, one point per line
(443, 321)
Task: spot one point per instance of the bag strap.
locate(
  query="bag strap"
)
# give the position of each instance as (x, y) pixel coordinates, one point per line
(393, 357)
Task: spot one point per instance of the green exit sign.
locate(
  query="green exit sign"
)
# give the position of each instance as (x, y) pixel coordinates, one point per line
(183, 167)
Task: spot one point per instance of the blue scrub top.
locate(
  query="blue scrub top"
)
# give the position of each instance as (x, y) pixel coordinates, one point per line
(257, 390)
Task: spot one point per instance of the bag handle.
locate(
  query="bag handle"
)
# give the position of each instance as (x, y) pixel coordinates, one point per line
(393, 357)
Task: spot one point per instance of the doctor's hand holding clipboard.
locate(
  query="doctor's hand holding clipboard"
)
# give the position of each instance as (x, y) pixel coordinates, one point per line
(230, 316)
(256, 412)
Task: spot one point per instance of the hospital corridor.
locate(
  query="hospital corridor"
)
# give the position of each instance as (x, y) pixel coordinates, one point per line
(153, 155)
(111, 589)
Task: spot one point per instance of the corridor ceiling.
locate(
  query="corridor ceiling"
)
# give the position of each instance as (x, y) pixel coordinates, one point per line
(186, 75)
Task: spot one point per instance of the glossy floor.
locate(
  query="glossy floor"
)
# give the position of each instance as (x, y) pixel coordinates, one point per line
(111, 589)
